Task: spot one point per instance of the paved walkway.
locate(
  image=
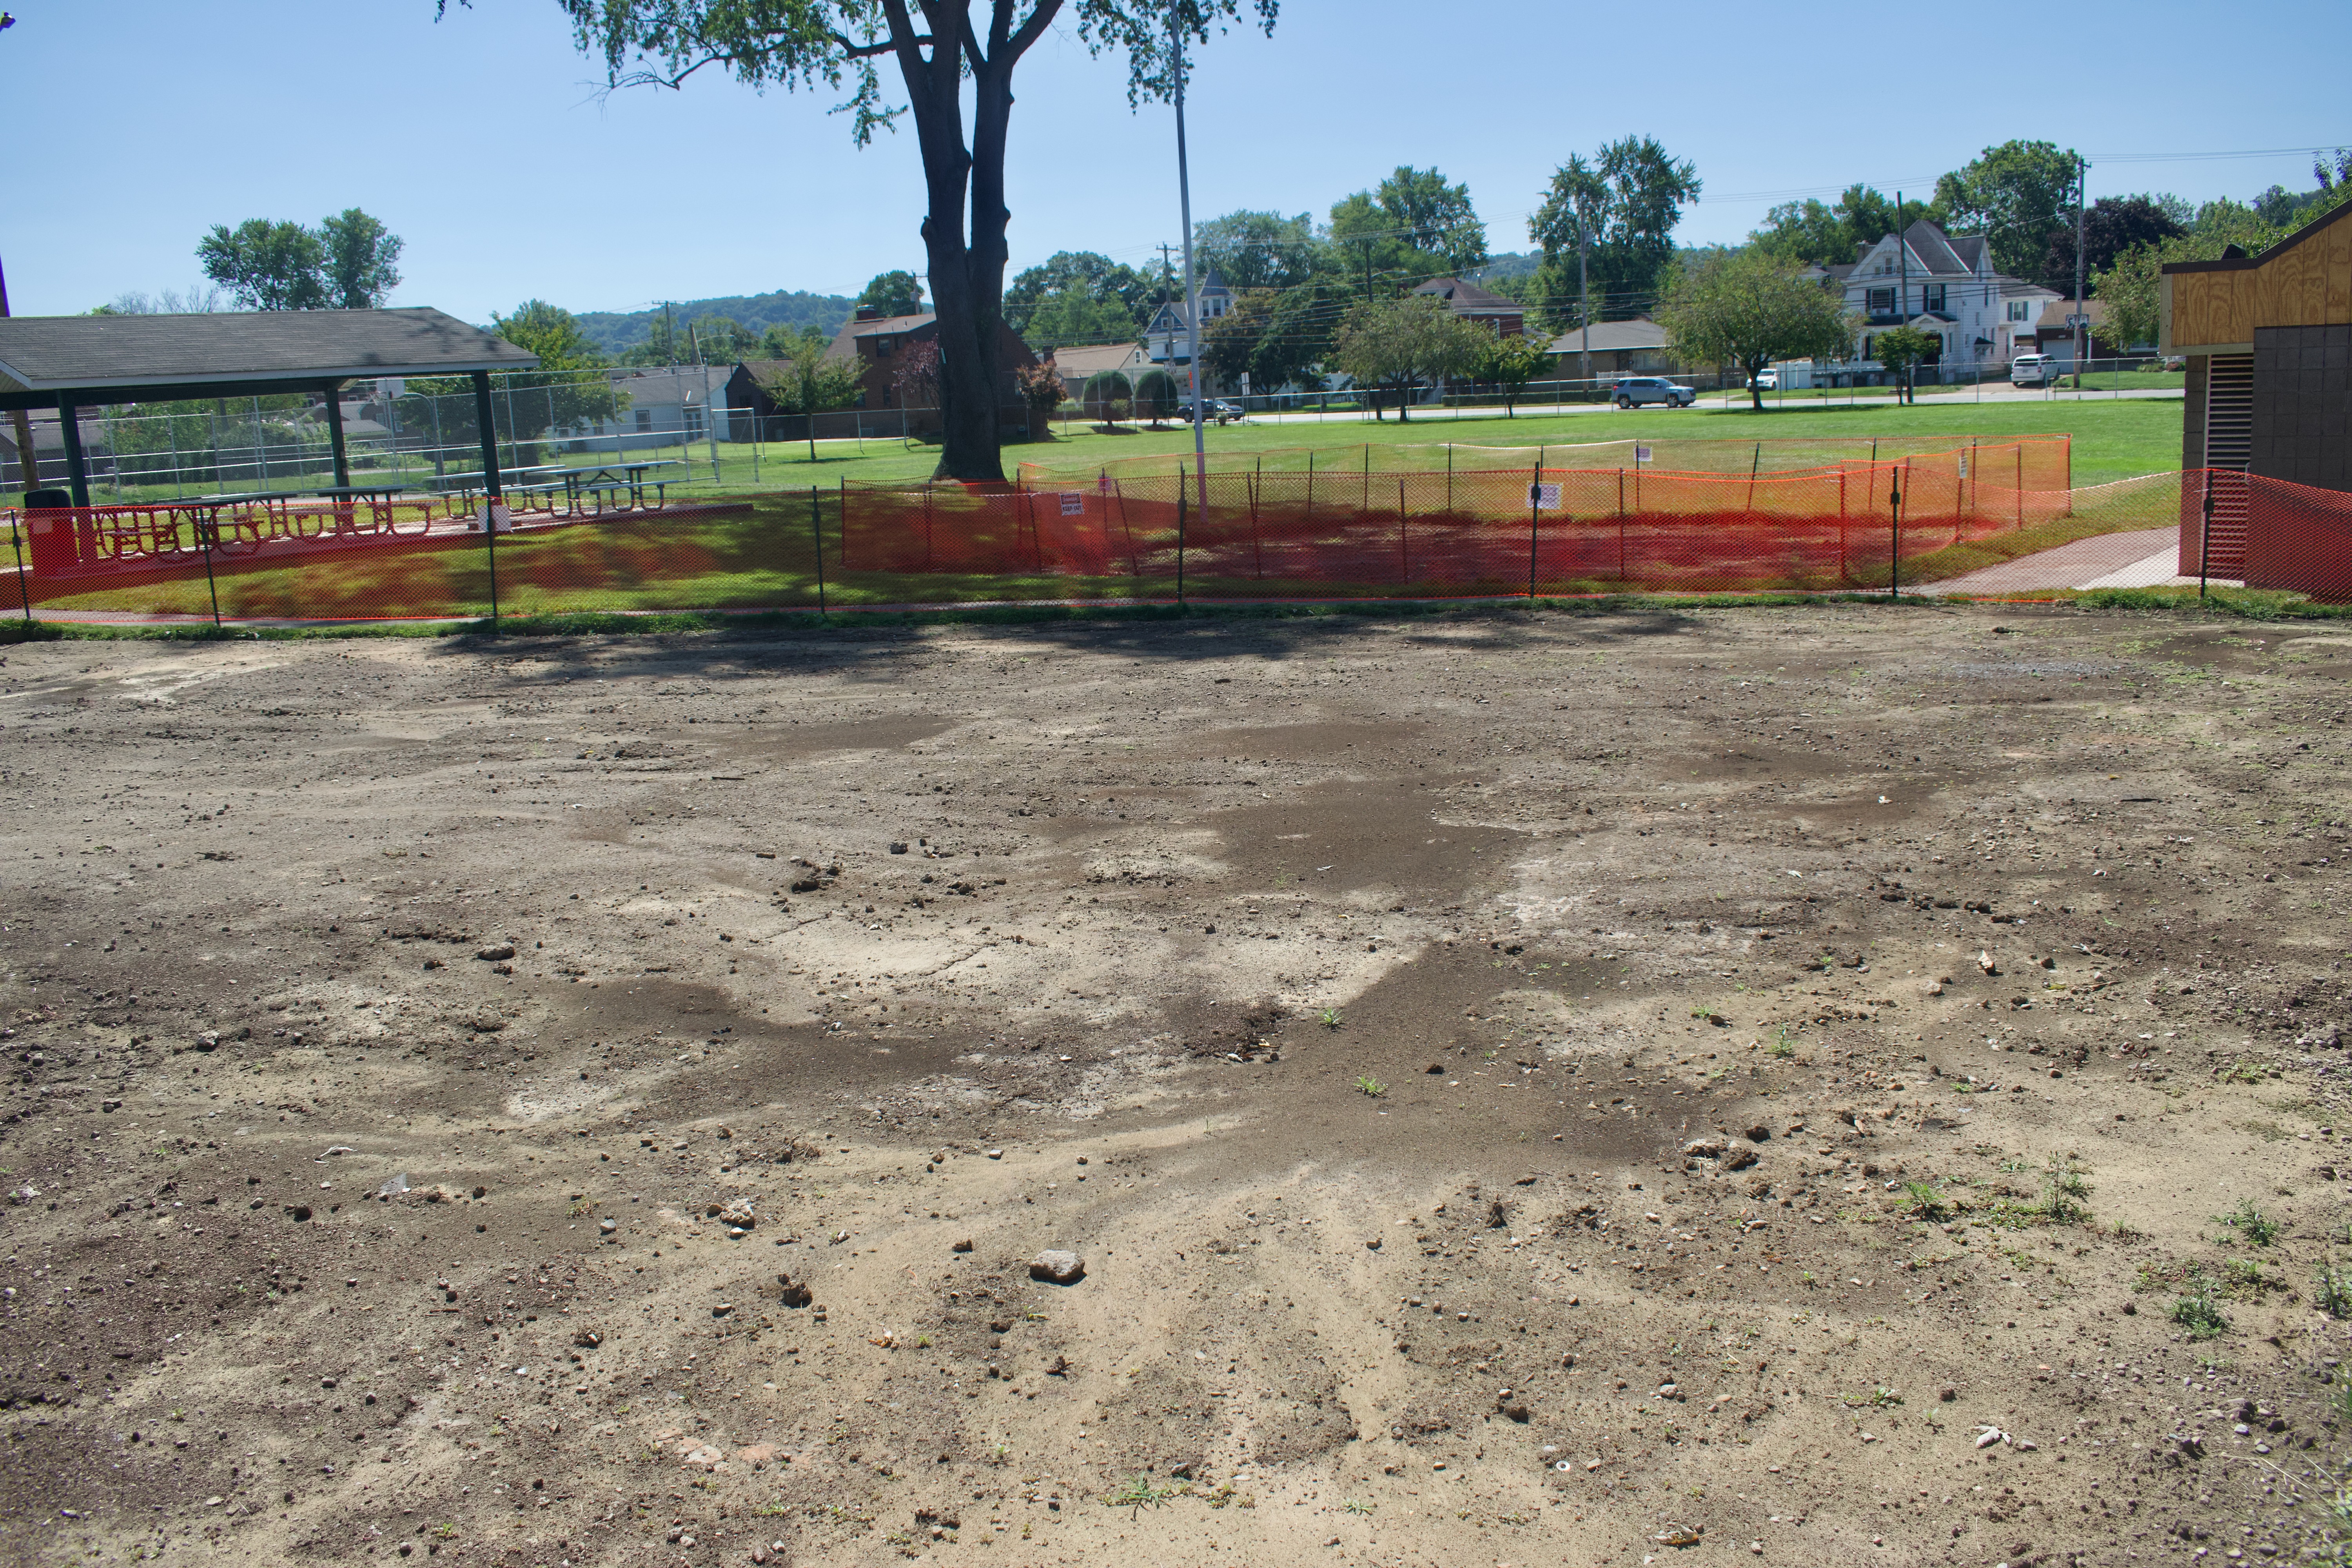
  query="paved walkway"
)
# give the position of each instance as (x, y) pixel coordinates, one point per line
(2143, 558)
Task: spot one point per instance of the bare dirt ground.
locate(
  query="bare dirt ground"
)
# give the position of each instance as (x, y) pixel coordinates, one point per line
(1806, 1086)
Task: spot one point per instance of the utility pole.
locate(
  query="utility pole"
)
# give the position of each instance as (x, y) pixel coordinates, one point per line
(28, 457)
(1584, 298)
(1191, 303)
(2081, 322)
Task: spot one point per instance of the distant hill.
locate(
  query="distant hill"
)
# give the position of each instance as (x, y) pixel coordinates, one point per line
(617, 331)
(1500, 268)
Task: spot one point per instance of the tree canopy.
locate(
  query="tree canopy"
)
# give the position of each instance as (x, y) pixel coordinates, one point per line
(1620, 208)
(2019, 194)
(944, 53)
(1807, 231)
(1259, 249)
(1395, 344)
(897, 294)
(1079, 290)
(1749, 309)
(808, 382)
(347, 263)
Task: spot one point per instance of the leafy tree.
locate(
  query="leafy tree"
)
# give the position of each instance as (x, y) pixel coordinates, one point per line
(567, 389)
(1899, 349)
(1748, 308)
(809, 381)
(2132, 287)
(1259, 250)
(1434, 217)
(2111, 226)
(1156, 395)
(2021, 194)
(1511, 361)
(1365, 243)
(361, 271)
(894, 293)
(938, 46)
(1074, 315)
(267, 265)
(1617, 216)
(2284, 209)
(1042, 389)
(720, 340)
(1106, 395)
(1083, 273)
(1394, 344)
(918, 380)
(1808, 231)
(664, 345)
(1276, 338)
(347, 263)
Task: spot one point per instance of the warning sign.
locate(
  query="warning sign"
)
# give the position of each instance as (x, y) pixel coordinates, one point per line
(1542, 496)
(1073, 504)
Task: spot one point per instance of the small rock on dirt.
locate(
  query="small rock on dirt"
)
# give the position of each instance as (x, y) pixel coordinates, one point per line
(1058, 1266)
(495, 952)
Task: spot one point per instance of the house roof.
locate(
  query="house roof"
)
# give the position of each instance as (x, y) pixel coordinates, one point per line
(123, 357)
(2054, 314)
(2019, 288)
(1467, 299)
(1087, 359)
(1612, 337)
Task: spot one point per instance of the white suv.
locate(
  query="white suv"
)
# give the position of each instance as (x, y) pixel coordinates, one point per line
(2033, 370)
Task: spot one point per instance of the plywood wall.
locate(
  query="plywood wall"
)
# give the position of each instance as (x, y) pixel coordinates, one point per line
(2309, 285)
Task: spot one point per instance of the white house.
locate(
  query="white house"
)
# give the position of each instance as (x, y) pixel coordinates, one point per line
(1945, 285)
(1167, 337)
(666, 405)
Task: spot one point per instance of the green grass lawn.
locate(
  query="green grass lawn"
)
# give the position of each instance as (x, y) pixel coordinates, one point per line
(2111, 440)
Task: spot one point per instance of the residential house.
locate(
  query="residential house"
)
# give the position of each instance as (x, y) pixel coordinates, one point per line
(1167, 337)
(2054, 333)
(1944, 284)
(2269, 343)
(1078, 365)
(1470, 301)
(664, 405)
(880, 344)
(1637, 347)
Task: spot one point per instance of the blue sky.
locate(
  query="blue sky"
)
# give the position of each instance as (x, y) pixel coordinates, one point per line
(483, 142)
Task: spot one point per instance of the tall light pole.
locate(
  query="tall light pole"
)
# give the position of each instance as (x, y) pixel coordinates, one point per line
(2081, 322)
(1192, 300)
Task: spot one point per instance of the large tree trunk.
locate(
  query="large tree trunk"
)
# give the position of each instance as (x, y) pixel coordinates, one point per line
(967, 278)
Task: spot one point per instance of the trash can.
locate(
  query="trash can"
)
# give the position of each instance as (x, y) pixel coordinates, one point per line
(49, 520)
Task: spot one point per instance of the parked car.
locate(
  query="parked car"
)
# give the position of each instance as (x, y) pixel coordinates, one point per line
(1767, 381)
(1213, 410)
(1634, 390)
(2033, 370)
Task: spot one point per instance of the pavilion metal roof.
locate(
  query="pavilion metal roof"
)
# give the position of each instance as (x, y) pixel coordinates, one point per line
(121, 359)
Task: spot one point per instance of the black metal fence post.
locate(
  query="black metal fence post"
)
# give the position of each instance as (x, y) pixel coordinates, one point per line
(2205, 538)
(17, 538)
(205, 528)
(493, 497)
(1894, 556)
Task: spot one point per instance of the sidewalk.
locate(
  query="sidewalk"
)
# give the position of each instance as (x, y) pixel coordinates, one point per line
(2143, 558)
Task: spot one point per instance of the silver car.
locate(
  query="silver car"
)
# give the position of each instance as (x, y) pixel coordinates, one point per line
(1635, 390)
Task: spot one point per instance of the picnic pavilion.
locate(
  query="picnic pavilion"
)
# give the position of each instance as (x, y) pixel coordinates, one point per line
(72, 362)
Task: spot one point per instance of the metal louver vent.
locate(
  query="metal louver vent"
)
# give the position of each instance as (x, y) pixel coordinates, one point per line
(2229, 412)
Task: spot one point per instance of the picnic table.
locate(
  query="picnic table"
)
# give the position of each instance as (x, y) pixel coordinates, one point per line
(378, 499)
(609, 481)
(532, 480)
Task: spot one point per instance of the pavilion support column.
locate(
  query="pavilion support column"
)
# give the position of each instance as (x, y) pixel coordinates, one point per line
(491, 497)
(335, 432)
(77, 471)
